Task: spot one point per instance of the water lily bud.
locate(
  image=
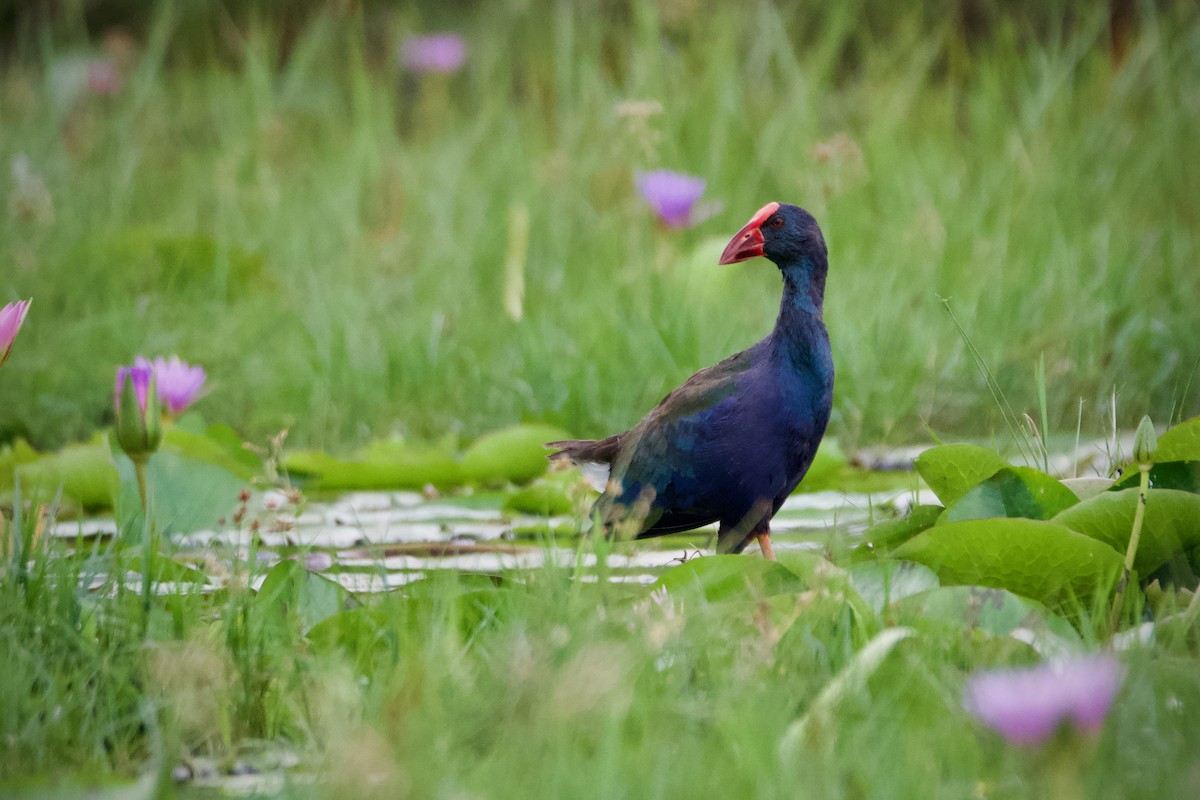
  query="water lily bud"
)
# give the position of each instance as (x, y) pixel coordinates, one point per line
(139, 412)
(1145, 442)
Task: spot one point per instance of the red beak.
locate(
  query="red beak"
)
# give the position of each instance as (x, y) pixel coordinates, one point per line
(748, 242)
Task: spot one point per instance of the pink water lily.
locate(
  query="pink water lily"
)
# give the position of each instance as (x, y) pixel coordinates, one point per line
(437, 52)
(672, 195)
(1026, 706)
(12, 317)
(179, 383)
(140, 374)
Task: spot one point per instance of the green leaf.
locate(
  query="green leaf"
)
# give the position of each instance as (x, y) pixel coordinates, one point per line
(516, 453)
(545, 497)
(896, 532)
(290, 592)
(886, 581)
(1012, 492)
(84, 472)
(13, 456)
(1041, 560)
(721, 577)
(1181, 443)
(203, 448)
(184, 494)
(410, 468)
(1171, 523)
(950, 470)
(994, 611)
(1181, 475)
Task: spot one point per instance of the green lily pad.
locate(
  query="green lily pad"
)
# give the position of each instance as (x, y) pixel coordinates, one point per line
(951, 470)
(549, 496)
(895, 532)
(721, 577)
(1012, 492)
(1171, 523)
(84, 472)
(1181, 475)
(886, 581)
(411, 468)
(994, 611)
(184, 494)
(1045, 561)
(1181, 443)
(516, 453)
(292, 594)
(11, 457)
(202, 448)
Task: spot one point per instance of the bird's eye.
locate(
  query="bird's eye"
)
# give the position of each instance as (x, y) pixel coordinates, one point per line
(777, 222)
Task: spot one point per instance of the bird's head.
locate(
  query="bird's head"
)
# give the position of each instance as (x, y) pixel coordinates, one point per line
(786, 234)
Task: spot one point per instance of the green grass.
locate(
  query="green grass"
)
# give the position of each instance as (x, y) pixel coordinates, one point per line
(534, 685)
(277, 202)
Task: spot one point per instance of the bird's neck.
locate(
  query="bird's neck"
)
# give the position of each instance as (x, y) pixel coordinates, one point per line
(800, 329)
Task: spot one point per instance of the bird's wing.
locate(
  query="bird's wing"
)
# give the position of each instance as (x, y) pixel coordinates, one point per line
(653, 473)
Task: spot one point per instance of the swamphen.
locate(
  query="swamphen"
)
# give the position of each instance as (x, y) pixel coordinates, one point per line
(730, 444)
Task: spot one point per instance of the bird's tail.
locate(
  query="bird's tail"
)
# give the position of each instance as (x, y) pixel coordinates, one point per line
(593, 456)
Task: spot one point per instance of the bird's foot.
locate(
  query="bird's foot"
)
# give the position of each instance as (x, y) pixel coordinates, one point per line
(764, 542)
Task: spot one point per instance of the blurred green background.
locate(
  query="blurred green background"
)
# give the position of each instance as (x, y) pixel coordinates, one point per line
(265, 191)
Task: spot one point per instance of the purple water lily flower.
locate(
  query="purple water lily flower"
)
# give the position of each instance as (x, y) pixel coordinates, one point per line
(1027, 706)
(437, 52)
(139, 414)
(140, 373)
(179, 383)
(12, 317)
(672, 195)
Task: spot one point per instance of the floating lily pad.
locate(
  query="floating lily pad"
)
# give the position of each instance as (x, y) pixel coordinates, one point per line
(1045, 561)
(291, 594)
(951, 470)
(1171, 523)
(516, 453)
(84, 472)
(886, 581)
(721, 577)
(1181, 443)
(896, 532)
(408, 469)
(1181, 475)
(1012, 492)
(185, 494)
(545, 497)
(994, 611)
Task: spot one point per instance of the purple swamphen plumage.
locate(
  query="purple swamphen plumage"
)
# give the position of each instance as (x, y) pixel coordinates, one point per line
(730, 444)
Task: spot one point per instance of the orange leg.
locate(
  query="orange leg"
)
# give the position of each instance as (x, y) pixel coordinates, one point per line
(764, 541)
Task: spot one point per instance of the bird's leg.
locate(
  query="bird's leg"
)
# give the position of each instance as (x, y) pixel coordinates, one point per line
(764, 541)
